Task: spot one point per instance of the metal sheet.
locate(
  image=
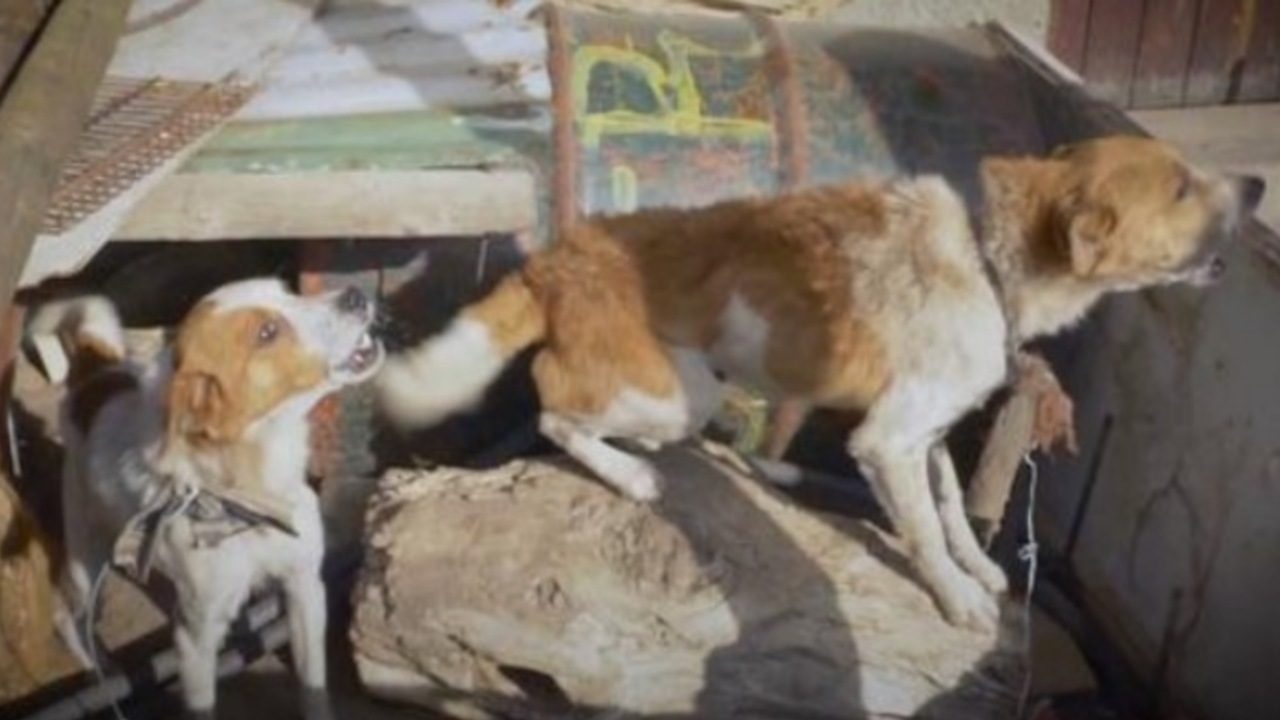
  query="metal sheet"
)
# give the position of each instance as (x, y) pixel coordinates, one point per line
(684, 111)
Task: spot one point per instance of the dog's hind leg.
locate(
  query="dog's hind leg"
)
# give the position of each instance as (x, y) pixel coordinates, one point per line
(628, 474)
(955, 524)
(82, 576)
(585, 401)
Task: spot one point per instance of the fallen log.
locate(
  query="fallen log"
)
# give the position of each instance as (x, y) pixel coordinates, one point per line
(532, 591)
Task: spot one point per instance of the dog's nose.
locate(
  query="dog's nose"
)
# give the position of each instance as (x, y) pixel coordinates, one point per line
(352, 300)
(1251, 190)
(1217, 268)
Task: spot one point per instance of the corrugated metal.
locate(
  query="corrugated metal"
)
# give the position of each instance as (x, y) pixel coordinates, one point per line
(441, 55)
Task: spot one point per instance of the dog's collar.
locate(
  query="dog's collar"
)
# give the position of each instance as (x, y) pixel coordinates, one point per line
(213, 514)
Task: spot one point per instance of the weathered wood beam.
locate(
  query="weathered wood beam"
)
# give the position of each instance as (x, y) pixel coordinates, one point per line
(359, 203)
(19, 21)
(42, 116)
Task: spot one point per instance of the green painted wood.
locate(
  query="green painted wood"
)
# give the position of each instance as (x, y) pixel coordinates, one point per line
(395, 141)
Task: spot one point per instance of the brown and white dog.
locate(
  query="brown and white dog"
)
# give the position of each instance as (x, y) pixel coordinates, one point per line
(218, 421)
(876, 297)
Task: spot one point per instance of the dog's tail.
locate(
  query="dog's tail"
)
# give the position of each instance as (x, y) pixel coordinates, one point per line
(450, 372)
(76, 338)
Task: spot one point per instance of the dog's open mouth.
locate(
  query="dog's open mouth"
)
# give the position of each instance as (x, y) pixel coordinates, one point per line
(1209, 272)
(364, 357)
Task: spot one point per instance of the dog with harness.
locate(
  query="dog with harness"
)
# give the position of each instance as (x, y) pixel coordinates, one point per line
(194, 463)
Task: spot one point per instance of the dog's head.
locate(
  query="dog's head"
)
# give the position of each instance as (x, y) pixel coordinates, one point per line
(1133, 213)
(252, 351)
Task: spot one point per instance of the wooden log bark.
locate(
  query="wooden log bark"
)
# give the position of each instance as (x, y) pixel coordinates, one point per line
(42, 115)
(532, 591)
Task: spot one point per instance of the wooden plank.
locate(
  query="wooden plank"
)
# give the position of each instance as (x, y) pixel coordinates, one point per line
(1111, 49)
(1168, 29)
(41, 117)
(1068, 30)
(230, 206)
(1218, 47)
(19, 20)
(392, 141)
(1261, 79)
(1222, 135)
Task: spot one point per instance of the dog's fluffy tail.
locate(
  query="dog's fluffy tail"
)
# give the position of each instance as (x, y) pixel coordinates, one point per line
(450, 372)
(77, 337)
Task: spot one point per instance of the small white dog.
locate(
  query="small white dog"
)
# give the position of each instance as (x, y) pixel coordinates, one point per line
(195, 462)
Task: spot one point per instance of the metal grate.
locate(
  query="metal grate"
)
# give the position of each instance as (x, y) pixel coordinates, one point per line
(135, 125)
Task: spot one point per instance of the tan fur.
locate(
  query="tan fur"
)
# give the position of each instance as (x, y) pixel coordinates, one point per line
(875, 297)
(226, 376)
(611, 305)
(1096, 217)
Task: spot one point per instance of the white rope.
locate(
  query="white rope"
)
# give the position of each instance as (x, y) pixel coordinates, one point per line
(90, 621)
(1029, 554)
(188, 494)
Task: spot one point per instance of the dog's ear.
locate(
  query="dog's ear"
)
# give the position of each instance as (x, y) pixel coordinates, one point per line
(1089, 232)
(199, 408)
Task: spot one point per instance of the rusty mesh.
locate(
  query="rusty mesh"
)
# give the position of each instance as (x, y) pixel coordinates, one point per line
(134, 126)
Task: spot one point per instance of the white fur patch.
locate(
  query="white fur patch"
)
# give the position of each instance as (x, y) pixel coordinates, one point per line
(739, 349)
(635, 414)
(444, 375)
(97, 319)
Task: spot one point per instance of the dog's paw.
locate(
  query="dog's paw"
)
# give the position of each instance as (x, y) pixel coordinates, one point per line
(316, 704)
(966, 603)
(990, 576)
(638, 480)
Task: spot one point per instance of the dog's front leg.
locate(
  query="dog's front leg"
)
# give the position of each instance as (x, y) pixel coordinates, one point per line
(197, 638)
(955, 523)
(305, 599)
(900, 479)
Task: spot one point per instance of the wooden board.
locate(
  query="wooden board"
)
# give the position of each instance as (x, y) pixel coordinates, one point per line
(1168, 30)
(1068, 30)
(1115, 29)
(19, 20)
(1261, 77)
(1217, 49)
(229, 206)
(1171, 53)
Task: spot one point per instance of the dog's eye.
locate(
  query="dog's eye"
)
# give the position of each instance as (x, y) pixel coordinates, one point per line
(268, 332)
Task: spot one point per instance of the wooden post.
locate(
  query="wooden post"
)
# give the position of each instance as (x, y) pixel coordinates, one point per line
(19, 21)
(1037, 415)
(42, 116)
